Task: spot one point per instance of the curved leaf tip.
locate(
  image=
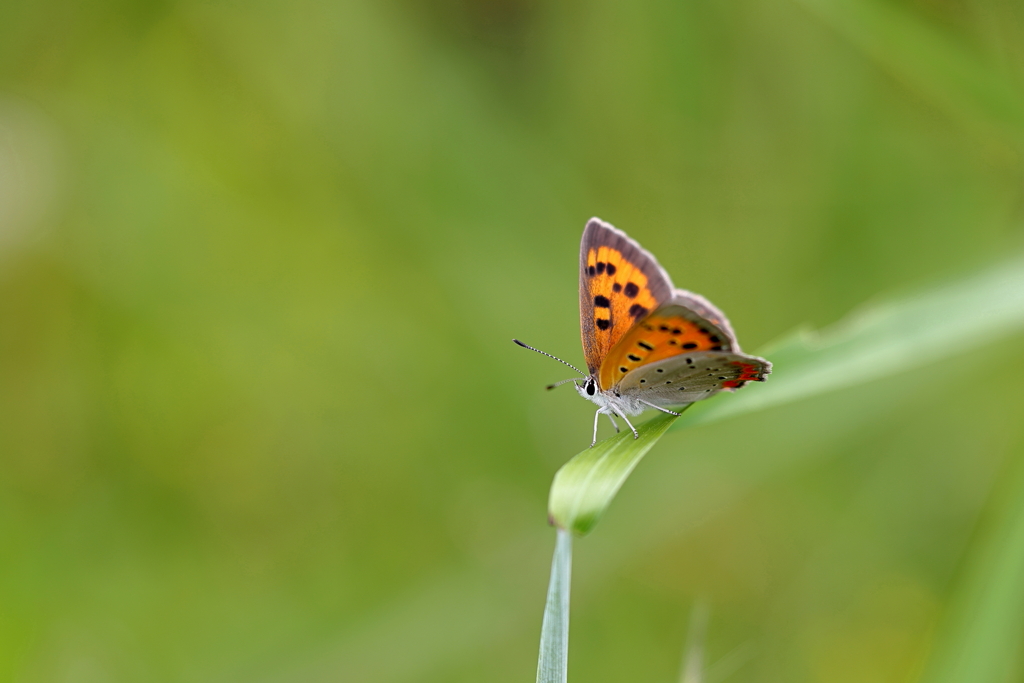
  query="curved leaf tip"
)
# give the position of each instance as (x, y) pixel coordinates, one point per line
(586, 485)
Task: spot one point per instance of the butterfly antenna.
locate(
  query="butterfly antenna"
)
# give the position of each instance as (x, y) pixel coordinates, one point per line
(564, 381)
(527, 346)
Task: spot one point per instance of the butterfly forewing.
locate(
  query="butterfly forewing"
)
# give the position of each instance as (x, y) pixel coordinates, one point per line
(620, 284)
(692, 377)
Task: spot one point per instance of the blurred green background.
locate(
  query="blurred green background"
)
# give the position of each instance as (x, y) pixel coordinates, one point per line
(261, 418)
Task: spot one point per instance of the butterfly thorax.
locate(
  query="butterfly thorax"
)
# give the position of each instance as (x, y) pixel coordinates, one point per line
(610, 398)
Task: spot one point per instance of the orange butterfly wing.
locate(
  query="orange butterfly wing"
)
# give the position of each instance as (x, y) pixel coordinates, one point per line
(685, 325)
(620, 284)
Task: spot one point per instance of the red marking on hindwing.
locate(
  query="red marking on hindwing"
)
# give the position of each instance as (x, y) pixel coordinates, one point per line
(749, 372)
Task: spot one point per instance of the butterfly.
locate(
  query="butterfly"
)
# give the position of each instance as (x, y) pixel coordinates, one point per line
(646, 343)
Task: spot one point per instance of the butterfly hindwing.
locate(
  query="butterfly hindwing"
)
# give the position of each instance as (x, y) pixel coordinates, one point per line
(688, 323)
(706, 311)
(620, 284)
(690, 377)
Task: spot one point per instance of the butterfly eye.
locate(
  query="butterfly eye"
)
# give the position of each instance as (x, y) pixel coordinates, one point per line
(590, 387)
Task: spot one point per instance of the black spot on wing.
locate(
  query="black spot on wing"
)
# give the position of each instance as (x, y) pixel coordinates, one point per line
(602, 301)
(645, 345)
(633, 358)
(636, 310)
(631, 290)
(616, 287)
(610, 269)
(689, 345)
(603, 324)
(600, 267)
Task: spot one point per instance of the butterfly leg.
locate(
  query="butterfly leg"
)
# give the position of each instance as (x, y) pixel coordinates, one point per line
(596, 416)
(636, 434)
(664, 410)
(614, 423)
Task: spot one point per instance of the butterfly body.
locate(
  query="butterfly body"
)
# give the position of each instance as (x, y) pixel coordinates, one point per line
(646, 343)
(608, 401)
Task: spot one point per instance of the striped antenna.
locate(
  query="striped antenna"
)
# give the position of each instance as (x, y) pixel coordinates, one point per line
(527, 346)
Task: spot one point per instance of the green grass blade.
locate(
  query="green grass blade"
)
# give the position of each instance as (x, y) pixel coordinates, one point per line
(553, 661)
(585, 485)
(882, 340)
(981, 637)
(693, 659)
